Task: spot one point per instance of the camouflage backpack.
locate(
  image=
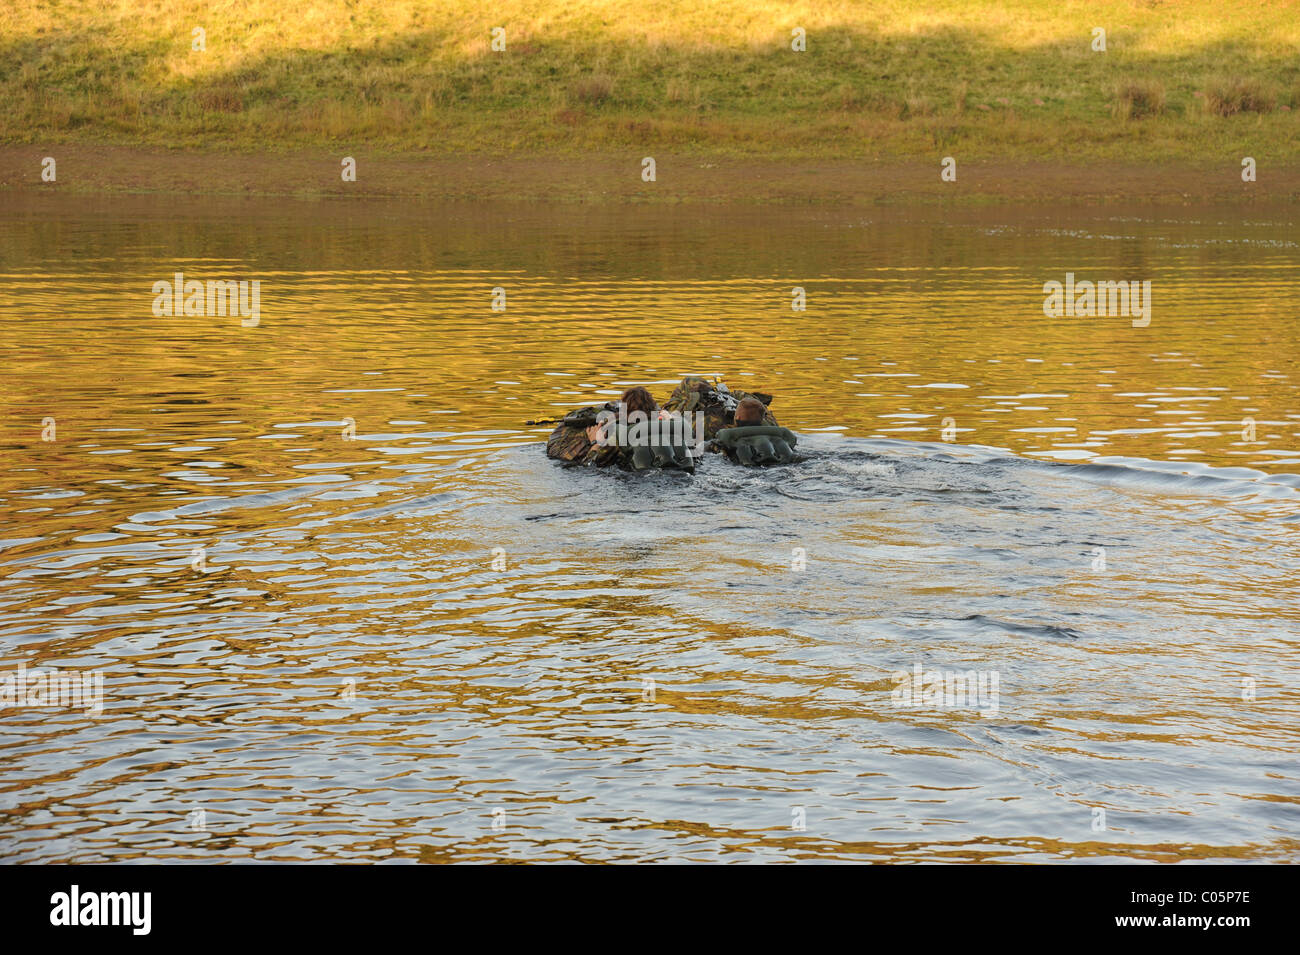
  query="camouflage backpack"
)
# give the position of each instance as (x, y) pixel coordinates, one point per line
(716, 401)
(569, 441)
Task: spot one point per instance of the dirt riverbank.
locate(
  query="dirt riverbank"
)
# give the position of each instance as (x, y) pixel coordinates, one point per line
(86, 169)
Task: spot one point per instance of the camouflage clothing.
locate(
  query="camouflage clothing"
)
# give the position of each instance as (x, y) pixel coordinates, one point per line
(570, 443)
(718, 403)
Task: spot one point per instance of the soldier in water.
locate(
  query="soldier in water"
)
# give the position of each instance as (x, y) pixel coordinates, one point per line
(753, 442)
(632, 433)
(634, 401)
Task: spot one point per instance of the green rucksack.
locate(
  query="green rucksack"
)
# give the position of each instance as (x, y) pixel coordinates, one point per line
(569, 443)
(754, 445)
(643, 458)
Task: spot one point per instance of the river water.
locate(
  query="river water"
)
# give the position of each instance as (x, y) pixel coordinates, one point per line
(343, 607)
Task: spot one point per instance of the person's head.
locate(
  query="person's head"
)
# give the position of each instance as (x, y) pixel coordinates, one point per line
(750, 411)
(638, 399)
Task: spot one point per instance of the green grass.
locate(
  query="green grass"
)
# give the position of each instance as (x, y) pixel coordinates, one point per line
(979, 78)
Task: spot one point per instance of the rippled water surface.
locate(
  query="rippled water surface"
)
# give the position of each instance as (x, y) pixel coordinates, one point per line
(430, 643)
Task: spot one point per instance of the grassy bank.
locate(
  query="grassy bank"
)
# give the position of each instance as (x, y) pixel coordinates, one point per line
(1188, 81)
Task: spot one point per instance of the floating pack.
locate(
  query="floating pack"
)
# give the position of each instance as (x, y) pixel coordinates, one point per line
(663, 448)
(759, 444)
(670, 456)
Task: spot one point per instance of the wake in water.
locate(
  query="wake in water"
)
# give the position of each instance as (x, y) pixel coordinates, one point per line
(907, 642)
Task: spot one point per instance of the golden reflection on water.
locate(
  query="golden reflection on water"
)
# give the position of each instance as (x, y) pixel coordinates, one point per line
(368, 559)
(908, 322)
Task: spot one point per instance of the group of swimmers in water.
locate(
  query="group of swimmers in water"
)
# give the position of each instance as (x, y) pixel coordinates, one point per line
(637, 434)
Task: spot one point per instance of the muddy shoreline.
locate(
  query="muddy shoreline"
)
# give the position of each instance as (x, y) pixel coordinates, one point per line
(83, 169)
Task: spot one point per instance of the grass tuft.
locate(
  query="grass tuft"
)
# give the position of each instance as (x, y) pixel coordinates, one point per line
(220, 99)
(1228, 97)
(1138, 99)
(592, 89)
